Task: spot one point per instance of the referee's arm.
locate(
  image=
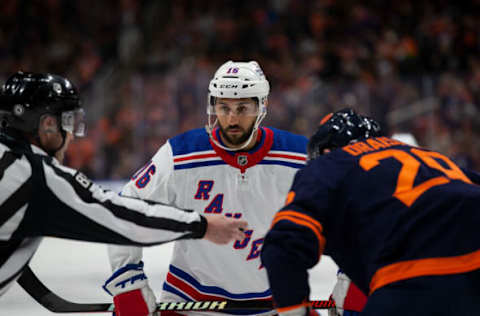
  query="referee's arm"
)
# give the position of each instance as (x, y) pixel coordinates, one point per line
(65, 203)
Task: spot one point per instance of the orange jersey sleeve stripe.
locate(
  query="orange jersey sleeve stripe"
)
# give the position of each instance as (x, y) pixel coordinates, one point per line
(302, 222)
(423, 267)
(304, 217)
(289, 308)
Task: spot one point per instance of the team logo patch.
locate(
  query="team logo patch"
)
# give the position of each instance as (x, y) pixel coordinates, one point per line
(242, 160)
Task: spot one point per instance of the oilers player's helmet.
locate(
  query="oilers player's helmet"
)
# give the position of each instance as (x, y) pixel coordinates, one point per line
(339, 129)
(26, 97)
(238, 80)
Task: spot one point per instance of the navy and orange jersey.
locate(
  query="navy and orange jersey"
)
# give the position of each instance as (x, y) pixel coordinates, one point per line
(383, 210)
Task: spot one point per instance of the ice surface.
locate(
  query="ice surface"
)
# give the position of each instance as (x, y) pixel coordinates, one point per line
(76, 270)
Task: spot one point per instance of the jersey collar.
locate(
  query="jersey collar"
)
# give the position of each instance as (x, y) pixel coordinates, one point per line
(245, 159)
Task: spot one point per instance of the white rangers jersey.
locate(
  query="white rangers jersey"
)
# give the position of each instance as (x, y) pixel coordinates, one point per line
(190, 172)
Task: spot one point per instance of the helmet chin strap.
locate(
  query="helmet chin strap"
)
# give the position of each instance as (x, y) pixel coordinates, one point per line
(64, 137)
(52, 152)
(209, 128)
(217, 143)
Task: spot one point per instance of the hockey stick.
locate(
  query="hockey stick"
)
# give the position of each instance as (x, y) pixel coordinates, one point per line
(51, 301)
(54, 303)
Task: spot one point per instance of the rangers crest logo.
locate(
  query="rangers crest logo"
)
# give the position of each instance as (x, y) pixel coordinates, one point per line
(242, 160)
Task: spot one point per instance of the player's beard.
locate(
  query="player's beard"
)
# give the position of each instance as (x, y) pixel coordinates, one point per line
(236, 139)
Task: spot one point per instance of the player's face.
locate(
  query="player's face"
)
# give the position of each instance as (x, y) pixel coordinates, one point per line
(236, 118)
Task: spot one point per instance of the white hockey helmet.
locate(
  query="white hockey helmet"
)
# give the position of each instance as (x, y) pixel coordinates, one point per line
(237, 80)
(406, 138)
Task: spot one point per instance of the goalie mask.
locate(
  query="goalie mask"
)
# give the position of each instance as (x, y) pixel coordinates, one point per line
(339, 129)
(237, 80)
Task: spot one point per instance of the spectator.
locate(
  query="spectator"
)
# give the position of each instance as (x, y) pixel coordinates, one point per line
(322, 55)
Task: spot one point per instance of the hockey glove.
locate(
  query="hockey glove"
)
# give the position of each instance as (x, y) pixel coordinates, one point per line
(349, 300)
(131, 294)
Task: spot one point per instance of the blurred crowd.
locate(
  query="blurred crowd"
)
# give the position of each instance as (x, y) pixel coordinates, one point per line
(144, 66)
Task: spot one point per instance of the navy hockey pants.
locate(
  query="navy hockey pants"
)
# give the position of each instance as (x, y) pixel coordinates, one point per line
(454, 294)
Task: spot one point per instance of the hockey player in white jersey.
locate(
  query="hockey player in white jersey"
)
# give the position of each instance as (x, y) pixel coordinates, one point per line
(234, 167)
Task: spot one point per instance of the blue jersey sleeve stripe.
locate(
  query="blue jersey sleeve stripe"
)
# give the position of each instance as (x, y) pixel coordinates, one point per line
(198, 164)
(221, 162)
(282, 163)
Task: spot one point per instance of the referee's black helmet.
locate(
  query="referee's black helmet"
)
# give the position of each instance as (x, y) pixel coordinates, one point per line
(26, 96)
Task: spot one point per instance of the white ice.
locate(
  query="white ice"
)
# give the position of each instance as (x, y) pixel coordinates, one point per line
(77, 270)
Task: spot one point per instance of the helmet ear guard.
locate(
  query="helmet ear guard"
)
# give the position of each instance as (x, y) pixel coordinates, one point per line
(339, 129)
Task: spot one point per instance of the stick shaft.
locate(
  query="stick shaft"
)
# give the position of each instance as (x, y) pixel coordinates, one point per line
(51, 301)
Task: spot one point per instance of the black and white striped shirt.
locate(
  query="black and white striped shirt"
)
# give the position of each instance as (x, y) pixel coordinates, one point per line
(39, 197)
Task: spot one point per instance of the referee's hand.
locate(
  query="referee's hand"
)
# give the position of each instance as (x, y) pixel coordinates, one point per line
(221, 229)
